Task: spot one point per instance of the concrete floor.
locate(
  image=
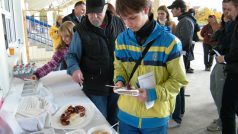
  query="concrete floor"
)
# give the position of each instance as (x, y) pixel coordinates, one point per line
(200, 108)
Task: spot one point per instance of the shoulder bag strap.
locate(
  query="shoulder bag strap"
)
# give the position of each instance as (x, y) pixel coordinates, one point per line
(140, 59)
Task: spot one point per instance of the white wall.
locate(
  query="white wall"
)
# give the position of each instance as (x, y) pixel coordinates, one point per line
(17, 5)
(6, 62)
(4, 71)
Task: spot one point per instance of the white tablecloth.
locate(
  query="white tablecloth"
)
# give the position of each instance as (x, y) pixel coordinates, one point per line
(66, 91)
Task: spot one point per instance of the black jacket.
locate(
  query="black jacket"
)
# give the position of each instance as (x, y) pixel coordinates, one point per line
(98, 54)
(232, 57)
(196, 27)
(223, 38)
(71, 17)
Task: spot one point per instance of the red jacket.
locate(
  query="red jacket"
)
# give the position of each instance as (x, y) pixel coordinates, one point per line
(207, 34)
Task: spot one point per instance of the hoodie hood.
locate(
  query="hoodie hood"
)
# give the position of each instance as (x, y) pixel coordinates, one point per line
(189, 15)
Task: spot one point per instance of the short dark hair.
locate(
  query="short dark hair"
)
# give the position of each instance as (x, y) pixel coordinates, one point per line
(211, 16)
(191, 10)
(234, 1)
(79, 3)
(131, 6)
(224, 1)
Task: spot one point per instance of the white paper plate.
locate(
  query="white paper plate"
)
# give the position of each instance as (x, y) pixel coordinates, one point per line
(45, 131)
(102, 128)
(77, 122)
(78, 131)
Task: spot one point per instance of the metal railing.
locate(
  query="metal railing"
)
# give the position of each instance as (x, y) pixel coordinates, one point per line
(38, 30)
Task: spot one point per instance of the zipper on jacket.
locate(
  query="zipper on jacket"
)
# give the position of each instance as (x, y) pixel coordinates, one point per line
(140, 118)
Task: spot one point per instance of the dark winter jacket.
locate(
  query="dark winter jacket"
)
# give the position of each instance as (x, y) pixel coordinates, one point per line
(232, 57)
(92, 52)
(185, 30)
(71, 17)
(196, 27)
(223, 38)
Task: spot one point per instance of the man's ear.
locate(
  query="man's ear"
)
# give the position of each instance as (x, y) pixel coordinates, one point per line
(179, 9)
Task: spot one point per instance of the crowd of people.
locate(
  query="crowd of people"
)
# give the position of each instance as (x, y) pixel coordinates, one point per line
(99, 44)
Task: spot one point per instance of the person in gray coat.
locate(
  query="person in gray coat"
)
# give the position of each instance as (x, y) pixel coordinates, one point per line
(184, 31)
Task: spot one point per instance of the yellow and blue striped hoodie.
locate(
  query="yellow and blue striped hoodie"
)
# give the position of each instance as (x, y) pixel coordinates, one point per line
(165, 60)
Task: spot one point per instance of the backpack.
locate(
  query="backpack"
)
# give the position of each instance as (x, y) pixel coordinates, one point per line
(195, 33)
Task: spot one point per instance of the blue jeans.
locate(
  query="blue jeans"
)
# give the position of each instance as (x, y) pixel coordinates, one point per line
(107, 105)
(127, 129)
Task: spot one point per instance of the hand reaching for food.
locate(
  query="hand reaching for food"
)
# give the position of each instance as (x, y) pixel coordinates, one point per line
(34, 77)
(78, 76)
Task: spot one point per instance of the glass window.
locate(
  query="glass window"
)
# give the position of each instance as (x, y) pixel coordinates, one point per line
(12, 23)
(5, 31)
(1, 3)
(8, 28)
(9, 23)
(6, 3)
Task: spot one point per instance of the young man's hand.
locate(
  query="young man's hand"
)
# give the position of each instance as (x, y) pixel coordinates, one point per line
(220, 59)
(142, 95)
(119, 84)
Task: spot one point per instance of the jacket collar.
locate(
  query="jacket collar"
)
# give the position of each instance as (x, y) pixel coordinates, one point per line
(87, 24)
(156, 32)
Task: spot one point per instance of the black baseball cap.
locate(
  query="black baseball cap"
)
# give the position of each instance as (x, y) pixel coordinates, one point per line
(177, 3)
(95, 6)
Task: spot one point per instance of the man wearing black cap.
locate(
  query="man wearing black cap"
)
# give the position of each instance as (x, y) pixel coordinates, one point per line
(184, 31)
(77, 13)
(91, 55)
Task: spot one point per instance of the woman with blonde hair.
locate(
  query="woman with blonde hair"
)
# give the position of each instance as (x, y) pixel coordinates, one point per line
(53, 31)
(164, 19)
(57, 61)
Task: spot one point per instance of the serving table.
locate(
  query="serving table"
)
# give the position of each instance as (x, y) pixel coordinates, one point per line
(65, 92)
